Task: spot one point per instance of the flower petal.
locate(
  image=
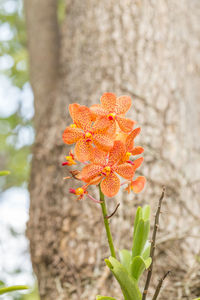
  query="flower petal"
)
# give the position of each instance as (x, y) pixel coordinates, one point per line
(137, 150)
(83, 150)
(99, 156)
(90, 172)
(110, 185)
(102, 141)
(125, 170)
(130, 138)
(123, 104)
(108, 101)
(101, 124)
(72, 135)
(73, 108)
(125, 125)
(82, 117)
(138, 184)
(116, 153)
(98, 110)
(137, 163)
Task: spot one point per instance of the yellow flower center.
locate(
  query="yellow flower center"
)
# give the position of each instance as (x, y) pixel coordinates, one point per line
(111, 116)
(73, 126)
(128, 154)
(107, 170)
(79, 191)
(88, 135)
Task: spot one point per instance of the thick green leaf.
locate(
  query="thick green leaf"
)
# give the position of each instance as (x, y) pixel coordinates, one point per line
(138, 216)
(138, 266)
(4, 173)
(13, 288)
(146, 251)
(146, 212)
(197, 298)
(99, 297)
(128, 284)
(125, 258)
(140, 238)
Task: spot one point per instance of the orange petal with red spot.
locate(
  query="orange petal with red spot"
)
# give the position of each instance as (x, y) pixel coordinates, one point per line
(90, 172)
(123, 104)
(116, 153)
(137, 163)
(125, 125)
(96, 180)
(102, 141)
(83, 150)
(72, 135)
(108, 101)
(130, 138)
(137, 150)
(125, 170)
(101, 124)
(98, 110)
(83, 117)
(138, 184)
(110, 185)
(73, 108)
(99, 156)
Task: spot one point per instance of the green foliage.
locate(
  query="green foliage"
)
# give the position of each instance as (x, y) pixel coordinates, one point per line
(15, 47)
(4, 173)
(133, 263)
(98, 297)
(8, 289)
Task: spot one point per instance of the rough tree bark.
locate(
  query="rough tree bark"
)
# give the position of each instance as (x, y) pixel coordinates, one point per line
(149, 50)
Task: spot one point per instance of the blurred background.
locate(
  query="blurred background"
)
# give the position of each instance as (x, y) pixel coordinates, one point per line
(77, 50)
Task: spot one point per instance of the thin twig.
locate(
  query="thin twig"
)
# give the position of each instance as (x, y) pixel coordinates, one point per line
(108, 217)
(157, 291)
(153, 245)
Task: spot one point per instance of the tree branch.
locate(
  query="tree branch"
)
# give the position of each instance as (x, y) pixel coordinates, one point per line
(157, 291)
(153, 245)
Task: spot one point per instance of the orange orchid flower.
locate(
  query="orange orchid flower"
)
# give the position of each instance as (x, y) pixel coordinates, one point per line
(84, 133)
(136, 185)
(70, 160)
(104, 169)
(111, 111)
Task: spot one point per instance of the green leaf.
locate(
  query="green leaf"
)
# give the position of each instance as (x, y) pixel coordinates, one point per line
(140, 238)
(128, 284)
(125, 258)
(138, 216)
(13, 288)
(4, 173)
(197, 298)
(138, 266)
(146, 251)
(146, 212)
(99, 297)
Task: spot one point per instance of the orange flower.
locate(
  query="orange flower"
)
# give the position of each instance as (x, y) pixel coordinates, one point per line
(79, 192)
(103, 170)
(112, 110)
(84, 134)
(136, 185)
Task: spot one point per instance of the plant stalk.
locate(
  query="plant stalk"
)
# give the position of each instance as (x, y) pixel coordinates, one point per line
(106, 223)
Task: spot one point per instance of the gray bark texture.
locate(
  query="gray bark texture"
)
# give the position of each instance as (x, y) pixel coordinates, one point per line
(149, 50)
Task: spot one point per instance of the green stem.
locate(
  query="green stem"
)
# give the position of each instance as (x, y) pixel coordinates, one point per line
(106, 223)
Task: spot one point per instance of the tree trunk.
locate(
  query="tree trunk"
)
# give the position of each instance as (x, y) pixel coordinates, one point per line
(149, 50)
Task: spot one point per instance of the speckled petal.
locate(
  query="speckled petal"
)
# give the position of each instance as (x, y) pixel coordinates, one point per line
(137, 163)
(98, 110)
(130, 138)
(83, 117)
(102, 141)
(116, 153)
(125, 170)
(110, 185)
(83, 150)
(125, 125)
(90, 172)
(137, 150)
(123, 104)
(108, 101)
(99, 156)
(72, 135)
(138, 184)
(101, 124)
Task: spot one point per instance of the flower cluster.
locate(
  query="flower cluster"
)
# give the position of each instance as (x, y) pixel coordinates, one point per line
(104, 140)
